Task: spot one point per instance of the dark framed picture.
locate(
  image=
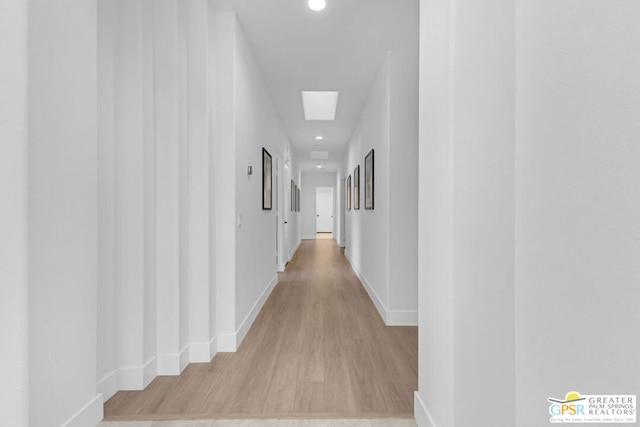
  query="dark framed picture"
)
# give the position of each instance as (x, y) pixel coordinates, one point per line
(266, 181)
(293, 196)
(356, 187)
(369, 185)
(298, 199)
(349, 193)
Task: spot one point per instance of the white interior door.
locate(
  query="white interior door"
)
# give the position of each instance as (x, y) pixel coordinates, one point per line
(324, 210)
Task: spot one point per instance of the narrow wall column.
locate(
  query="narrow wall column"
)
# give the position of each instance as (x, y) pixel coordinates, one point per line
(14, 308)
(150, 367)
(107, 369)
(129, 196)
(63, 213)
(167, 186)
(200, 335)
(224, 154)
(466, 250)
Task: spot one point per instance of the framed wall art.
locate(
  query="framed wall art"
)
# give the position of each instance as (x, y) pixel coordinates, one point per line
(297, 199)
(356, 188)
(266, 180)
(369, 184)
(293, 196)
(349, 193)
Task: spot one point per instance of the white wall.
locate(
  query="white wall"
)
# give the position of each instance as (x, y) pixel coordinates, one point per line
(246, 121)
(258, 125)
(340, 206)
(520, 226)
(154, 188)
(62, 213)
(577, 187)
(292, 218)
(222, 52)
(381, 244)
(201, 332)
(106, 350)
(14, 310)
(310, 180)
(467, 214)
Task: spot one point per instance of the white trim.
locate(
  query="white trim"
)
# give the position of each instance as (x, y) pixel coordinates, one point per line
(185, 355)
(130, 378)
(173, 364)
(309, 237)
(90, 415)
(108, 385)
(367, 287)
(226, 342)
(199, 352)
(149, 371)
(213, 347)
(390, 317)
(231, 342)
(253, 313)
(402, 318)
(292, 252)
(420, 412)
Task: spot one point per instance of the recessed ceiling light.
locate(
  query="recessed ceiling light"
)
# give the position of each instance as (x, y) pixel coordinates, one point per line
(319, 137)
(319, 166)
(317, 5)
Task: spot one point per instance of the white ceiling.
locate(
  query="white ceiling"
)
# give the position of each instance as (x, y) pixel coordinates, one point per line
(340, 48)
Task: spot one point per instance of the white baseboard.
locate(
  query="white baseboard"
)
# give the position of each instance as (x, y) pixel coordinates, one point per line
(213, 347)
(226, 343)
(149, 371)
(253, 313)
(130, 378)
(90, 415)
(185, 355)
(390, 317)
(293, 251)
(173, 364)
(420, 412)
(231, 342)
(402, 318)
(309, 237)
(203, 352)
(108, 385)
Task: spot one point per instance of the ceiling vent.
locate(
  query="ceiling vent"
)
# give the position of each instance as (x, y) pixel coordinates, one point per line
(319, 155)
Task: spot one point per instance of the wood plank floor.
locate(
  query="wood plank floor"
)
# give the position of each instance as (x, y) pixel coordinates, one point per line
(318, 349)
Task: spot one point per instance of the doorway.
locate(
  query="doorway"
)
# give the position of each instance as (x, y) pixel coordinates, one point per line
(324, 211)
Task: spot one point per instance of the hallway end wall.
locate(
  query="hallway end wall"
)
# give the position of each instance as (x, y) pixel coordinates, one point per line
(309, 181)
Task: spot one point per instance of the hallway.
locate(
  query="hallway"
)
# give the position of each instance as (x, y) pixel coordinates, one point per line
(318, 349)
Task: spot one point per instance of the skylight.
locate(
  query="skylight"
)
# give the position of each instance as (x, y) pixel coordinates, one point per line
(319, 105)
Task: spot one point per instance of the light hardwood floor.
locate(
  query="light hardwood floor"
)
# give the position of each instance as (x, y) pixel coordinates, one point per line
(386, 422)
(318, 349)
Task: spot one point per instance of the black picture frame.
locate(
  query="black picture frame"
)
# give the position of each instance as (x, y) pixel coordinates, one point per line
(293, 196)
(298, 199)
(356, 188)
(267, 181)
(349, 193)
(369, 182)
